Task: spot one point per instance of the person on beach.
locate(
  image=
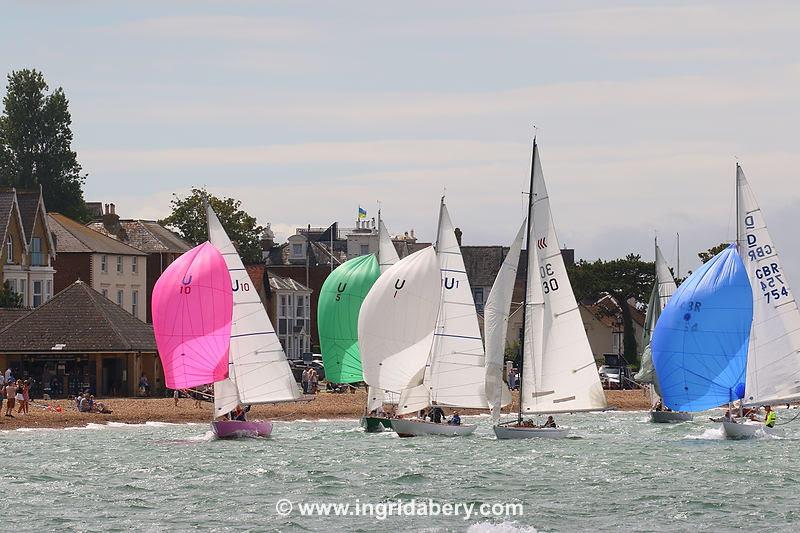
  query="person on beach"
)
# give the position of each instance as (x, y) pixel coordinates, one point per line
(304, 380)
(144, 385)
(2, 390)
(23, 397)
(176, 394)
(313, 381)
(11, 396)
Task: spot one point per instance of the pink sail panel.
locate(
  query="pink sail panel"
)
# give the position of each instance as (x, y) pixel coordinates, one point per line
(192, 314)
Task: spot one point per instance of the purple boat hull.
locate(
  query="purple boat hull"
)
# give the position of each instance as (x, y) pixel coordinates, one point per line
(231, 429)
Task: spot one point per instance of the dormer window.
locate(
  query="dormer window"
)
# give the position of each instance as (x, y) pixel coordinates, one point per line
(9, 251)
(37, 258)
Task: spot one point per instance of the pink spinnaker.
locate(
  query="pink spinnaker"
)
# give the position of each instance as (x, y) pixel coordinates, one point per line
(192, 314)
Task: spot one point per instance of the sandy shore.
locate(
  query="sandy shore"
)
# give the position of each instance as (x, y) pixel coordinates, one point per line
(140, 410)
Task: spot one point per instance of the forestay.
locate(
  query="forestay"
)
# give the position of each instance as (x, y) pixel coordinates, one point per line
(561, 360)
(773, 361)
(700, 341)
(397, 319)
(495, 319)
(257, 363)
(338, 308)
(457, 370)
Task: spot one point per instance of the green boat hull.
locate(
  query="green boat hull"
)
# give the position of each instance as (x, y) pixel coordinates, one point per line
(374, 424)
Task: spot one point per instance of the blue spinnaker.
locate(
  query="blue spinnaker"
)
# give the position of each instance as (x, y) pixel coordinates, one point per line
(700, 340)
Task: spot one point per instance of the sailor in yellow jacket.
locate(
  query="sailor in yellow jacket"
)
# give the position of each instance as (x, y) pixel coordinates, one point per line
(770, 417)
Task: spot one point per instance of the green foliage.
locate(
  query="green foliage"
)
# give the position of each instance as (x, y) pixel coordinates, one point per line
(512, 352)
(622, 279)
(188, 218)
(35, 144)
(706, 256)
(9, 298)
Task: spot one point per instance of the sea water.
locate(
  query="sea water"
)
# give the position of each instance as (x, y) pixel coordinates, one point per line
(617, 471)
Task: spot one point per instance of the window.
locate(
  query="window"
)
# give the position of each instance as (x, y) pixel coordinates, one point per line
(477, 295)
(104, 292)
(37, 258)
(48, 290)
(134, 265)
(37, 293)
(297, 249)
(299, 312)
(120, 297)
(364, 249)
(10, 251)
(119, 264)
(282, 309)
(134, 302)
(103, 263)
(23, 291)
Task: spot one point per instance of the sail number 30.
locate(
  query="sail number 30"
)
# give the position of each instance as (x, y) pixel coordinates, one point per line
(551, 284)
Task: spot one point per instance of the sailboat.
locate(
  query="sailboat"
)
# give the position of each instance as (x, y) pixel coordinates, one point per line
(773, 352)
(192, 307)
(397, 322)
(258, 371)
(454, 375)
(700, 340)
(663, 289)
(558, 374)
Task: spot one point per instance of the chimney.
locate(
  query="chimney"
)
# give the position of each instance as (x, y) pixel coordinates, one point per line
(111, 223)
(458, 235)
(112, 209)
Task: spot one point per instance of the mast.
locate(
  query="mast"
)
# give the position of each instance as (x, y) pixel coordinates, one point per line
(527, 277)
(678, 267)
(736, 188)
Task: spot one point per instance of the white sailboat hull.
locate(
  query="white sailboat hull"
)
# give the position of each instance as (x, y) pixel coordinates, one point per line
(748, 429)
(513, 432)
(670, 417)
(418, 428)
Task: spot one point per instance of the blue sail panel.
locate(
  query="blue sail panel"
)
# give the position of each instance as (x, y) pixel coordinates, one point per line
(700, 341)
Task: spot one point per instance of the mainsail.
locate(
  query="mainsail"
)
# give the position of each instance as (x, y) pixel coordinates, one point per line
(339, 304)
(397, 320)
(192, 309)
(773, 358)
(663, 288)
(457, 371)
(700, 341)
(257, 363)
(559, 372)
(495, 324)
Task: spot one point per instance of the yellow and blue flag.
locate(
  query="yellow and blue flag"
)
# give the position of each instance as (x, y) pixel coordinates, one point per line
(362, 213)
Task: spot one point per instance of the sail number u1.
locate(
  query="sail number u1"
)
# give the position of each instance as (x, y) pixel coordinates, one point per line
(549, 282)
(769, 276)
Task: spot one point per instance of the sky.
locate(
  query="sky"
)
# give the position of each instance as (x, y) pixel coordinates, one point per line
(306, 110)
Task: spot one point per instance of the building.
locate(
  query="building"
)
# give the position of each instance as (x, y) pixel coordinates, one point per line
(28, 254)
(288, 305)
(79, 340)
(161, 245)
(112, 268)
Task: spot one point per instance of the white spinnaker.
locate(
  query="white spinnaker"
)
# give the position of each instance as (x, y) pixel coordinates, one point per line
(258, 365)
(397, 319)
(495, 324)
(773, 356)
(567, 378)
(387, 256)
(457, 373)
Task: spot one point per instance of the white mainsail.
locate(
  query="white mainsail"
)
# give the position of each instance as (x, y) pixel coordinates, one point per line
(773, 357)
(663, 288)
(495, 324)
(457, 372)
(565, 374)
(397, 320)
(257, 366)
(387, 256)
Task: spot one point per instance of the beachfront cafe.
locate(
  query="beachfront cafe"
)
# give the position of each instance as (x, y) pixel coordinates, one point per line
(76, 341)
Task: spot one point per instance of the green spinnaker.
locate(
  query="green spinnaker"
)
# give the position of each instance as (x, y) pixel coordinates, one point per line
(337, 317)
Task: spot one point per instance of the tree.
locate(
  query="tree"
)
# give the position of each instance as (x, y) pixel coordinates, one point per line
(706, 256)
(36, 144)
(9, 298)
(188, 218)
(622, 279)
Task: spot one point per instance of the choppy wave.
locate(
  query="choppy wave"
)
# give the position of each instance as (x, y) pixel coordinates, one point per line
(500, 527)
